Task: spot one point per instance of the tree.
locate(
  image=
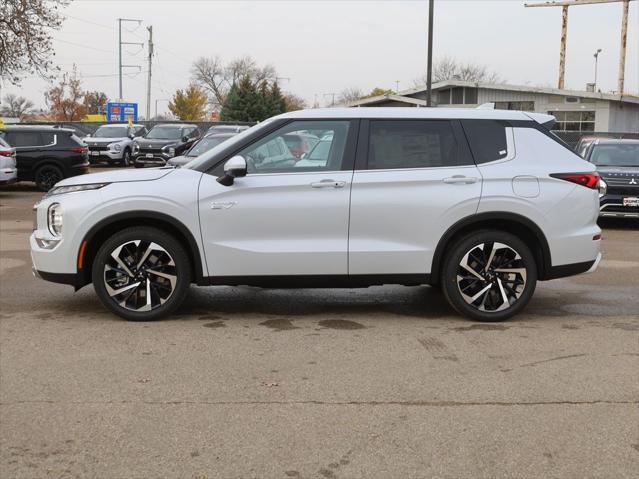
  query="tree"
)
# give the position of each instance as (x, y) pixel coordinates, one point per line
(275, 101)
(95, 102)
(25, 37)
(16, 106)
(377, 91)
(350, 94)
(293, 102)
(190, 104)
(244, 102)
(66, 101)
(447, 68)
(216, 78)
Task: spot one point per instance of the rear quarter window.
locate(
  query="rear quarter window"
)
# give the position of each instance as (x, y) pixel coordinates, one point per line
(487, 139)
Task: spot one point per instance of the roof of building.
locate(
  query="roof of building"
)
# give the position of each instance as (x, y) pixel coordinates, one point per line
(416, 113)
(405, 95)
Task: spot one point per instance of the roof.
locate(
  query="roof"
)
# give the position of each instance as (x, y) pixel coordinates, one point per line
(175, 125)
(37, 127)
(616, 141)
(120, 124)
(410, 113)
(405, 95)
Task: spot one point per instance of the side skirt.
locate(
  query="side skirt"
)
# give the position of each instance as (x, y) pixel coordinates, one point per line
(320, 281)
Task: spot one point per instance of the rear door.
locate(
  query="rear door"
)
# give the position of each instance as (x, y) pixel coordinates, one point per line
(413, 180)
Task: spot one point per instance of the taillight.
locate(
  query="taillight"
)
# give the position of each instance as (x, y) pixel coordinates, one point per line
(6, 153)
(589, 180)
(80, 149)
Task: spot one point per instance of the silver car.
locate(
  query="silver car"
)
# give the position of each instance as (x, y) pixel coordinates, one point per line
(113, 143)
(8, 170)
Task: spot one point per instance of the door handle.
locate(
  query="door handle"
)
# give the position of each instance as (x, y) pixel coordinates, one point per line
(328, 184)
(460, 180)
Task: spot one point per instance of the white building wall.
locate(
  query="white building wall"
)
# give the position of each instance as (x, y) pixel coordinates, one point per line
(624, 118)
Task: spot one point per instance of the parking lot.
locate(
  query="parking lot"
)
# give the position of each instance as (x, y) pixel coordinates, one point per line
(378, 382)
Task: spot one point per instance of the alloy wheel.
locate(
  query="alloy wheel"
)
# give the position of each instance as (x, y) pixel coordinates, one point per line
(140, 275)
(48, 177)
(491, 277)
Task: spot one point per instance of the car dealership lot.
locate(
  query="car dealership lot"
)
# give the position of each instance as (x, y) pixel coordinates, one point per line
(377, 382)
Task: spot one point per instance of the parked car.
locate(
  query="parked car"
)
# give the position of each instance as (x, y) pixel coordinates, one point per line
(163, 142)
(113, 143)
(318, 156)
(582, 145)
(8, 170)
(202, 146)
(483, 203)
(226, 129)
(300, 143)
(617, 162)
(46, 154)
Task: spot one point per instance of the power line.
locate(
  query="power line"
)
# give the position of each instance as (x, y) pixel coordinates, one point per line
(82, 46)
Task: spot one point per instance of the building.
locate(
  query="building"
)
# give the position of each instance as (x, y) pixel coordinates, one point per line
(581, 111)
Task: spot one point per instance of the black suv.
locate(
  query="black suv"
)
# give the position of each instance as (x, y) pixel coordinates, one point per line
(617, 162)
(164, 142)
(46, 154)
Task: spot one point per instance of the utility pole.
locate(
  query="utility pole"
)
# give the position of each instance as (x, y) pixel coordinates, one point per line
(331, 95)
(429, 67)
(596, 55)
(148, 85)
(564, 4)
(120, 43)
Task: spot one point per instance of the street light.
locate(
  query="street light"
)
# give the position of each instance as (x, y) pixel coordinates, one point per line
(156, 105)
(596, 55)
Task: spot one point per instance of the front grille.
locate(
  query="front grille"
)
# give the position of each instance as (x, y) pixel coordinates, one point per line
(628, 190)
(155, 151)
(98, 148)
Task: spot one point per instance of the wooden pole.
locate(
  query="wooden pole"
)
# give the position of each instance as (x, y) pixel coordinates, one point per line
(562, 47)
(622, 52)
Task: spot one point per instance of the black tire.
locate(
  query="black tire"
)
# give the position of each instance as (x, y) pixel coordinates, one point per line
(108, 273)
(513, 255)
(126, 158)
(46, 176)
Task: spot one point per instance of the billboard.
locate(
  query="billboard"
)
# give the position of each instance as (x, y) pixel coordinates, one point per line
(122, 112)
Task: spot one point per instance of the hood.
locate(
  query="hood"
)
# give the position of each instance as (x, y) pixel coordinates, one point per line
(619, 171)
(118, 176)
(90, 140)
(144, 142)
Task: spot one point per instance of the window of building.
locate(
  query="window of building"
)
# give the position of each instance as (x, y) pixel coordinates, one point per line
(458, 96)
(515, 105)
(443, 97)
(470, 96)
(574, 120)
(411, 144)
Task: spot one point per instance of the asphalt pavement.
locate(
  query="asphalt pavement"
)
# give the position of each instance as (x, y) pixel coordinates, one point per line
(383, 382)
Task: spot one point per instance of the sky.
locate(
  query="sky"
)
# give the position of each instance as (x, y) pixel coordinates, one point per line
(321, 47)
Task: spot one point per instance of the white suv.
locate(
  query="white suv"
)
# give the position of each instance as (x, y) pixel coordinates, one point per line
(482, 203)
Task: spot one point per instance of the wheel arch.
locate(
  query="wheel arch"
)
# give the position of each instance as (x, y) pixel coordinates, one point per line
(102, 230)
(525, 229)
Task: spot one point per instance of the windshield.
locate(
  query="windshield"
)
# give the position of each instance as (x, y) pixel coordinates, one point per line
(165, 133)
(227, 144)
(615, 155)
(111, 132)
(204, 145)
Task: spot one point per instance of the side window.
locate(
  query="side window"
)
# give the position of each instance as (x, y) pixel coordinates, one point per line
(48, 138)
(412, 144)
(272, 154)
(24, 138)
(487, 139)
(194, 133)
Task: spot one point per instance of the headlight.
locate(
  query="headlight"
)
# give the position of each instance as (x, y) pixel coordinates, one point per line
(115, 146)
(70, 189)
(171, 151)
(54, 219)
(603, 187)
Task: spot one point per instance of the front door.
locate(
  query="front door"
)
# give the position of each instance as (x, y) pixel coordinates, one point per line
(287, 216)
(413, 180)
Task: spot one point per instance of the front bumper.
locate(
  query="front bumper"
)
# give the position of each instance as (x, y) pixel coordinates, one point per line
(105, 155)
(611, 206)
(156, 158)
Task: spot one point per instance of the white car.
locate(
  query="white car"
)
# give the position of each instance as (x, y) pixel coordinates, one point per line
(8, 169)
(483, 203)
(113, 143)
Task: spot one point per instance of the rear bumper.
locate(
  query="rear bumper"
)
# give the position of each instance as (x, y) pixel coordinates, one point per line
(565, 270)
(8, 176)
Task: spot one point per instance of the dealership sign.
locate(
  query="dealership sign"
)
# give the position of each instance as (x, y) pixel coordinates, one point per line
(121, 112)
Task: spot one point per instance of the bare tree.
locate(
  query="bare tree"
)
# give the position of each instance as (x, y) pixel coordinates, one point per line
(447, 68)
(25, 37)
(216, 78)
(16, 106)
(66, 100)
(294, 102)
(350, 94)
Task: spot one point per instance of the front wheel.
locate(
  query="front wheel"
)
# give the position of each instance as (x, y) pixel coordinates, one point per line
(126, 158)
(489, 275)
(141, 273)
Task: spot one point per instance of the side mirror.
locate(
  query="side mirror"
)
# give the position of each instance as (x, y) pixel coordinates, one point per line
(185, 139)
(234, 168)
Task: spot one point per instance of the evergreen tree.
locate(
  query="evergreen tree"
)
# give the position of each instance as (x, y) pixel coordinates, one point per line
(277, 100)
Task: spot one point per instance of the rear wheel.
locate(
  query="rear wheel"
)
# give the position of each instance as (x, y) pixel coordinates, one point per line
(141, 274)
(489, 275)
(46, 176)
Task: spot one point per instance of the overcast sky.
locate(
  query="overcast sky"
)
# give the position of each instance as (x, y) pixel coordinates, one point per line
(326, 46)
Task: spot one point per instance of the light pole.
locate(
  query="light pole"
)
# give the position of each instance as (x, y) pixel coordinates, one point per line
(429, 65)
(156, 105)
(596, 55)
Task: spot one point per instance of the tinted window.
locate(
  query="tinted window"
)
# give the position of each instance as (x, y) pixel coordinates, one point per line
(204, 145)
(615, 155)
(411, 144)
(165, 133)
(48, 138)
(487, 139)
(271, 155)
(24, 138)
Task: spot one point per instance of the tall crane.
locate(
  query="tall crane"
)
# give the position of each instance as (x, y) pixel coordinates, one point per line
(564, 4)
